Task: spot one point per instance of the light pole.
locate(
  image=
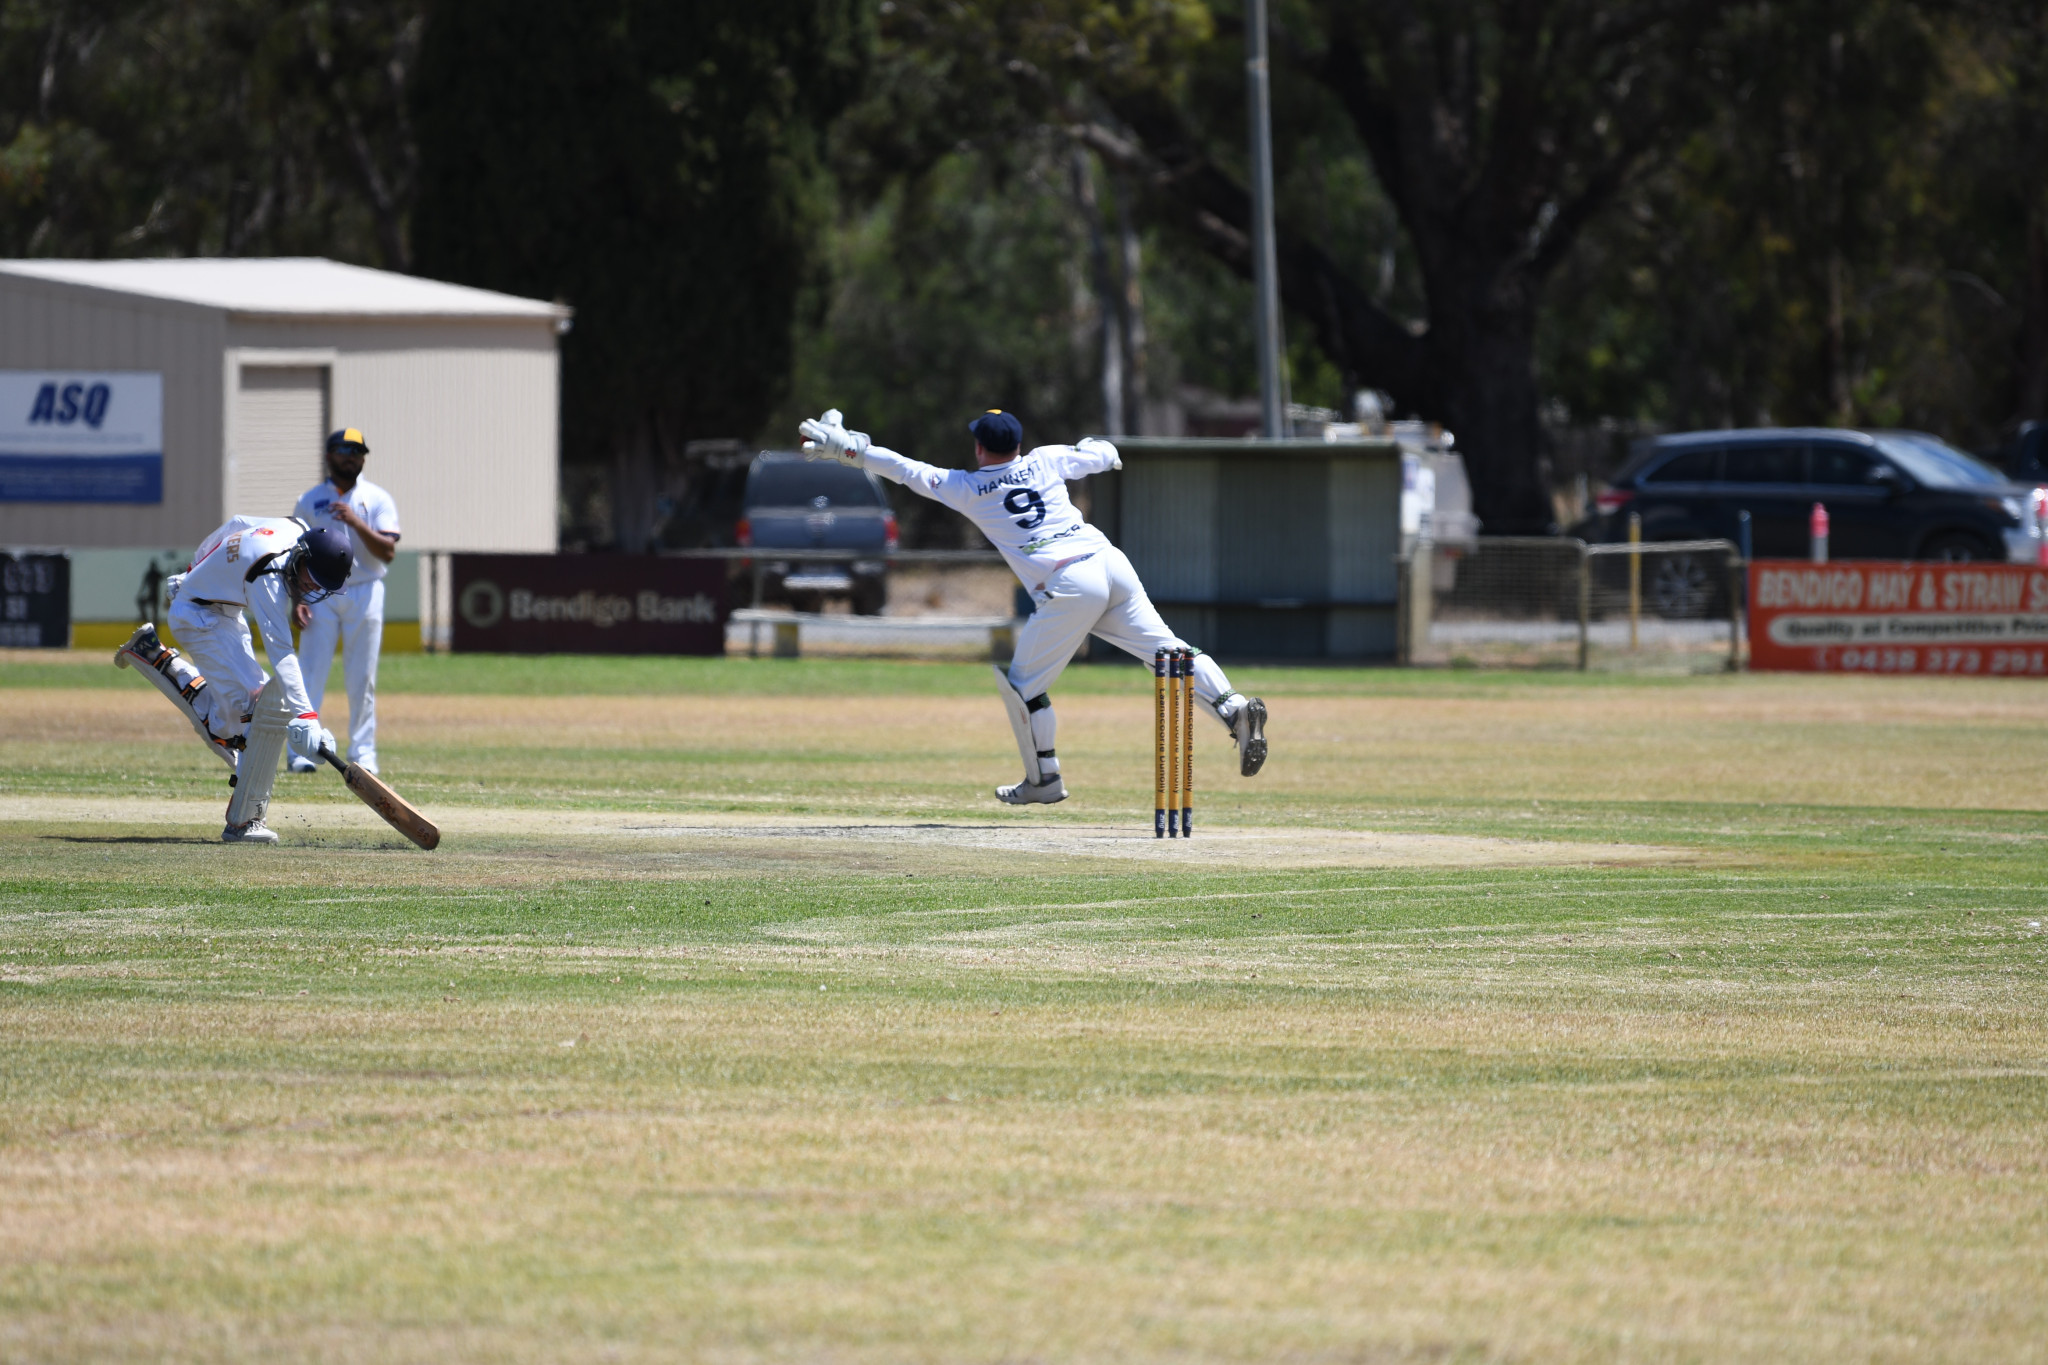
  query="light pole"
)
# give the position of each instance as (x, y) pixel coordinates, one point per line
(1265, 268)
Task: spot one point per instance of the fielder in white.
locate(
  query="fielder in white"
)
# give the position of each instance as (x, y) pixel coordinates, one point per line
(265, 570)
(364, 512)
(1081, 584)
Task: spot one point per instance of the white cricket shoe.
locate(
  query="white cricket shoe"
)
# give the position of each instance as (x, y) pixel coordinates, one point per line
(1248, 728)
(255, 832)
(142, 645)
(366, 760)
(302, 765)
(1044, 793)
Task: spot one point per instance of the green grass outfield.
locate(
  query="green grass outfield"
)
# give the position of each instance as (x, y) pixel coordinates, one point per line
(1506, 1017)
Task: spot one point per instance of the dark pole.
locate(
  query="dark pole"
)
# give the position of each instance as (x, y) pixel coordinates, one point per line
(1265, 267)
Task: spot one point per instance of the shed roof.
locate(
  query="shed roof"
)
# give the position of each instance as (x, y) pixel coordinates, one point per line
(286, 287)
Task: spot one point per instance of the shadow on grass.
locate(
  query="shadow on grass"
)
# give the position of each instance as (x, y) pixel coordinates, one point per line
(129, 838)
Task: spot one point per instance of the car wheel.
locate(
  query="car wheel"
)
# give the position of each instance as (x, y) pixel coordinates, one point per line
(1681, 586)
(870, 595)
(1956, 548)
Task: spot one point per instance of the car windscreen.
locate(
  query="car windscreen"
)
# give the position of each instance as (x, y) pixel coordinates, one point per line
(800, 483)
(1937, 464)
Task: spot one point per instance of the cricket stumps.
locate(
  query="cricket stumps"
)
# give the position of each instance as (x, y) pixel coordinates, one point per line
(1173, 743)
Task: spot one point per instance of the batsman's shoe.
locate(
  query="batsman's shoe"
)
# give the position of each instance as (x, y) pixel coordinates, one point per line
(366, 760)
(302, 765)
(1043, 793)
(255, 832)
(142, 645)
(1248, 727)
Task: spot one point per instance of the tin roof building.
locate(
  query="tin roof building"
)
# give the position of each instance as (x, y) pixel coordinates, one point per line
(143, 402)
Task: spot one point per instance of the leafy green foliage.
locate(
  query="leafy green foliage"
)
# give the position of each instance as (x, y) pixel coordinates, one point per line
(654, 166)
(1847, 242)
(236, 127)
(953, 293)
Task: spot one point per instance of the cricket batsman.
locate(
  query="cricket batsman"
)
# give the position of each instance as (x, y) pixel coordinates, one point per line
(354, 617)
(265, 570)
(1081, 584)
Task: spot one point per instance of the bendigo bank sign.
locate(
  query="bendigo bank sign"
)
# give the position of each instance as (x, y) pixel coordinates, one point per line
(588, 604)
(1881, 617)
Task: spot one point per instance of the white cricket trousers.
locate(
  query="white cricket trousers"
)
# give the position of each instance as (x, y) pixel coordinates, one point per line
(1099, 595)
(355, 616)
(217, 641)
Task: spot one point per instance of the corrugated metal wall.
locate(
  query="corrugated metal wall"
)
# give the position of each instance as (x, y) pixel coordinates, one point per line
(1169, 526)
(47, 326)
(274, 443)
(462, 420)
(1287, 551)
(1365, 543)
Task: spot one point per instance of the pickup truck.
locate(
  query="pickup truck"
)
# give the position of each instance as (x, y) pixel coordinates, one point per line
(793, 503)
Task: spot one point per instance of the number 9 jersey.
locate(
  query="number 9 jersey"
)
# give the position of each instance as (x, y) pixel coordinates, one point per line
(1021, 505)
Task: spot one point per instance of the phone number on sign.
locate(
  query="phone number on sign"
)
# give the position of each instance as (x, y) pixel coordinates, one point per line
(1994, 661)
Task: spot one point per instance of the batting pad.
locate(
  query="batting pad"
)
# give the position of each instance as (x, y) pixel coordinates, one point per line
(181, 684)
(256, 774)
(1020, 725)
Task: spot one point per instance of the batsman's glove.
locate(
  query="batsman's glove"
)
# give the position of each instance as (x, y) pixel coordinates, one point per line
(826, 437)
(307, 737)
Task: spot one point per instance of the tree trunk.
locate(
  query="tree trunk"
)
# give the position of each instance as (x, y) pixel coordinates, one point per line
(1482, 343)
(2033, 366)
(635, 485)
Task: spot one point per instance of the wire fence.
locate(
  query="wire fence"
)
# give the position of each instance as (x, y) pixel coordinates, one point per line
(1558, 602)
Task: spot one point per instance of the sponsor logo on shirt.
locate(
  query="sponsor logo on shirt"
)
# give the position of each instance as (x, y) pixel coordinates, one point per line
(1034, 546)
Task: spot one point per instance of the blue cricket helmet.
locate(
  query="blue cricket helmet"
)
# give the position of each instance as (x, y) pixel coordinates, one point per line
(328, 556)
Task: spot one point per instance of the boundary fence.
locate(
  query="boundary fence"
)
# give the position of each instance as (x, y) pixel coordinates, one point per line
(1560, 602)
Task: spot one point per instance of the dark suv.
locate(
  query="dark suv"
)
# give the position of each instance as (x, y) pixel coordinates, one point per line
(1889, 495)
(793, 503)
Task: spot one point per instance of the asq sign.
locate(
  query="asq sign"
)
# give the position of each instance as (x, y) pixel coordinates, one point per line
(76, 436)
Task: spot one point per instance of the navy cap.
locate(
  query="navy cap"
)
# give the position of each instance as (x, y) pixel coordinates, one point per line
(998, 431)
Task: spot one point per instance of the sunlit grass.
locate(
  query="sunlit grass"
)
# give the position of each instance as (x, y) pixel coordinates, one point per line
(1773, 1090)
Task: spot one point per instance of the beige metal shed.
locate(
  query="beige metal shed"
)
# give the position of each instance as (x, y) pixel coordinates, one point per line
(457, 390)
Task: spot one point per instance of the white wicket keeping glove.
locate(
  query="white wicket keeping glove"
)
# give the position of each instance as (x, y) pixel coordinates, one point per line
(826, 437)
(307, 737)
(1095, 445)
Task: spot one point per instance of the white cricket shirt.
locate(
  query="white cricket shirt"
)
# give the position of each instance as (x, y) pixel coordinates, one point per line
(371, 503)
(220, 573)
(1021, 505)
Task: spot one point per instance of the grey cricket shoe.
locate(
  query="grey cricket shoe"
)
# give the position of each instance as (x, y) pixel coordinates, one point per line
(1248, 727)
(1044, 793)
(255, 832)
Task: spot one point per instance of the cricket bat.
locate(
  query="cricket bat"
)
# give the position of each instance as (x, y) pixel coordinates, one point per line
(396, 810)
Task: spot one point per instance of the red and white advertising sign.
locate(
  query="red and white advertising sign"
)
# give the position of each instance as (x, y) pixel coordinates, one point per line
(1884, 617)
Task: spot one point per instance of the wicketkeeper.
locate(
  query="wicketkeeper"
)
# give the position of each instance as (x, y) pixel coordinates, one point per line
(265, 570)
(1080, 583)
